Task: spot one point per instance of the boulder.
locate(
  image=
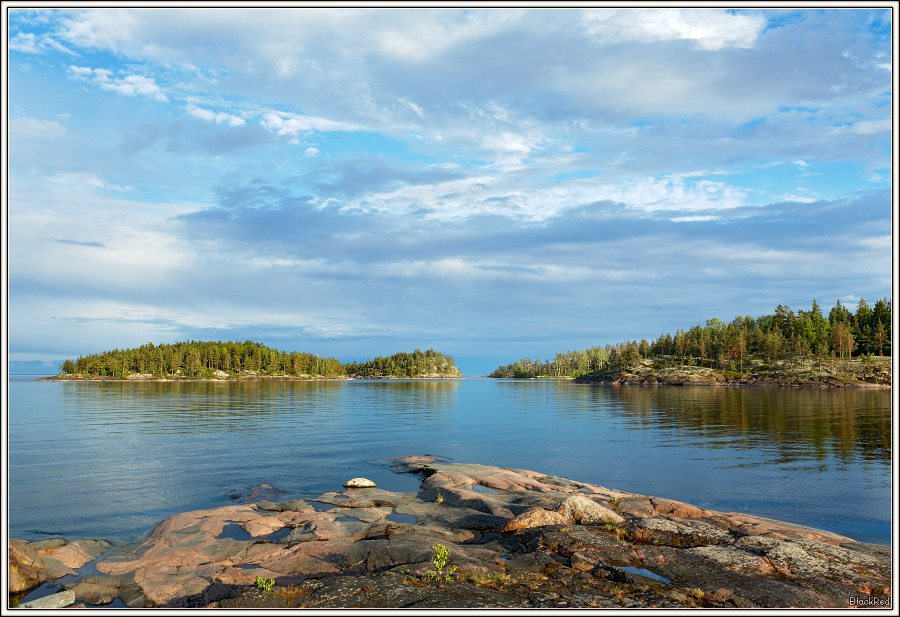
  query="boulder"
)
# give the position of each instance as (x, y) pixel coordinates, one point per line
(33, 563)
(677, 508)
(359, 483)
(535, 517)
(579, 509)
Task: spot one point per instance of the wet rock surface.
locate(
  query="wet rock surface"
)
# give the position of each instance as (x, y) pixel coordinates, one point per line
(513, 538)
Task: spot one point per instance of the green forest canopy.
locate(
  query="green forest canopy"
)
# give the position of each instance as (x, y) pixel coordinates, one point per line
(778, 336)
(202, 359)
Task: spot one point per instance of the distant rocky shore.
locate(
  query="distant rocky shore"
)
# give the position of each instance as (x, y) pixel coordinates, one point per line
(227, 377)
(835, 374)
(472, 536)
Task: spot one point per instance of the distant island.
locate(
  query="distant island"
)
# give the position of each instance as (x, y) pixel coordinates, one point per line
(785, 349)
(246, 361)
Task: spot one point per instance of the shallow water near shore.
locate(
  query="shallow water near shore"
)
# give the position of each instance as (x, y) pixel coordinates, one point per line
(111, 460)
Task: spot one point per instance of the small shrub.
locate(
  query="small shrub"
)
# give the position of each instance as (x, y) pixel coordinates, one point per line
(264, 583)
(439, 559)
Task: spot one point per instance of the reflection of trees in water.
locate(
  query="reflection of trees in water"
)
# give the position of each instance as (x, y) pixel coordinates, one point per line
(414, 399)
(218, 406)
(798, 423)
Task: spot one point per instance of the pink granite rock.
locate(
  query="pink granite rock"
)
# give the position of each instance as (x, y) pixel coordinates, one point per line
(535, 517)
(579, 509)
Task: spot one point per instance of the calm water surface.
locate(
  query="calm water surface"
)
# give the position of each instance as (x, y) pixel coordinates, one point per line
(110, 460)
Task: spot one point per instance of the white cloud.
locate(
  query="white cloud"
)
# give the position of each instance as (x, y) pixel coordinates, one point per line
(25, 42)
(504, 194)
(508, 148)
(797, 198)
(869, 127)
(283, 123)
(100, 29)
(311, 151)
(711, 29)
(700, 173)
(211, 116)
(673, 194)
(129, 85)
(430, 33)
(33, 128)
(877, 243)
(86, 179)
(692, 219)
(28, 43)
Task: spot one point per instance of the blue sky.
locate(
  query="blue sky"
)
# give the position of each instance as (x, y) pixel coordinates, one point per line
(493, 183)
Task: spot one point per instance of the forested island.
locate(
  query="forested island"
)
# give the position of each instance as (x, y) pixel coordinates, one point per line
(784, 348)
(248, 360)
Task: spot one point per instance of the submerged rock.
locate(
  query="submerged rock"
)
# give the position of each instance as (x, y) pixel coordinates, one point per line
(535, 541)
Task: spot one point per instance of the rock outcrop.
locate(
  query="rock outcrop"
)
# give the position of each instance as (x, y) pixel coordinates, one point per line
(847, 373)
(515, 539)
(34, 563)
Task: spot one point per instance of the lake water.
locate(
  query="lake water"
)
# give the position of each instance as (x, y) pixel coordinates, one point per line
(110, 460)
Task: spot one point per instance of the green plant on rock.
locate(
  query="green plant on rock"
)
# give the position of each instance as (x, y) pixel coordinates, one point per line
(439, 558)
(264, 583)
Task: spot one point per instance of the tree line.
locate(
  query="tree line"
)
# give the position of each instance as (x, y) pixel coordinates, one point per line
(404, 364)
(781, 336)
(203, 359)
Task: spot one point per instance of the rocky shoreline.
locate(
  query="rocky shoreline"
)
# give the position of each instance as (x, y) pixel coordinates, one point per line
(472, 536)
(241, 378)
(852, 374)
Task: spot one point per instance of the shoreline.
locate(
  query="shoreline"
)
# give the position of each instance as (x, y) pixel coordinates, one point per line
(514, 539)
(872, 372)
(736, 383)
(586, 380)
(617, 380)
(248, 378)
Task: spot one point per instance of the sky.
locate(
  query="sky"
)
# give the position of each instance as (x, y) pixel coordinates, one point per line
(492, 183)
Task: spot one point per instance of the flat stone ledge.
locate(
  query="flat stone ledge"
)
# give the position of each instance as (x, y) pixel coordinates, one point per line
(57, 600)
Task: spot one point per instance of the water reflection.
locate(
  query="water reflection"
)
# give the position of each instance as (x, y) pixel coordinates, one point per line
(175, 407)
(795, 424)
(112, 459)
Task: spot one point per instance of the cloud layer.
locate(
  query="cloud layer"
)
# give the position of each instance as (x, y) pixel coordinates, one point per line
(492, 183)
